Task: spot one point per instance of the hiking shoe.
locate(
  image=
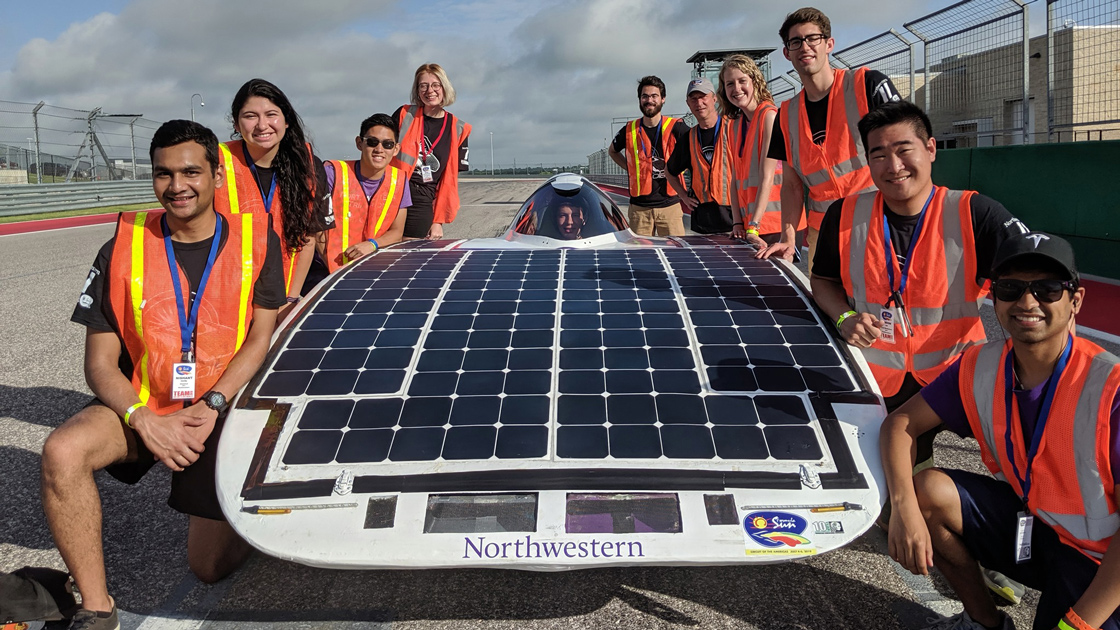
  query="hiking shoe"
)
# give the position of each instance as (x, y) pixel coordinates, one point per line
(963, 622)
(1003, 586)
(92, 620)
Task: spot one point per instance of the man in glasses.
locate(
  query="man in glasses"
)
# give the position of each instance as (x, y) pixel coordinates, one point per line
(814, 132)
(641, 147)
(369, 197)
(1043, 406)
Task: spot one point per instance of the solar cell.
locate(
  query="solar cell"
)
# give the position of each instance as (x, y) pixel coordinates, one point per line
(677, 353)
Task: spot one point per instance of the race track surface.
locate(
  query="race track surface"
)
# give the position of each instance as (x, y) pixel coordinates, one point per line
(41, 384)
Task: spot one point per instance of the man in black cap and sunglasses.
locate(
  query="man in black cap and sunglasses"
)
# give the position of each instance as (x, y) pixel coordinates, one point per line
(1043, 406)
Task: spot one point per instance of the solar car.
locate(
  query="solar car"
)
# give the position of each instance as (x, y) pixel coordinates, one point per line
(567, 395)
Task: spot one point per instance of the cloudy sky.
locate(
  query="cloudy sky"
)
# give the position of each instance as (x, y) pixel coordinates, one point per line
(545, 77)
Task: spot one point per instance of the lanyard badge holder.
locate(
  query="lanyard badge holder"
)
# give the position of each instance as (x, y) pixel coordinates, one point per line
(895, 305)
(184, 372)
(266, 196)
(1025, 520)
(426, 174)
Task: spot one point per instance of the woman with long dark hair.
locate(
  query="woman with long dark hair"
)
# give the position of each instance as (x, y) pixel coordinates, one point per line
(270, 167)
(433, 149)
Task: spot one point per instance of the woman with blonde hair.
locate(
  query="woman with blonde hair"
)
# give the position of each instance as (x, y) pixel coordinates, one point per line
(433, 149)
(745, 98)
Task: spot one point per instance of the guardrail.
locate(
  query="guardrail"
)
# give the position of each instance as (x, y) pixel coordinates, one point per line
(17, 199)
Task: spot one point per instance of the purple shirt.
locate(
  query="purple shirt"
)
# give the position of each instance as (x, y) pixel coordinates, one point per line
(943, 395)
(369, 186)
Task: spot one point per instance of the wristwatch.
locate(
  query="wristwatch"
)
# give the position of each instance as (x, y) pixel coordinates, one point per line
(753, 224)
(216, 401)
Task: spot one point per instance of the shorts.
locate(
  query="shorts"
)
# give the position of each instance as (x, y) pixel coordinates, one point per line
(665, 221)
(989, 510)
(417, 221)
(194, 490)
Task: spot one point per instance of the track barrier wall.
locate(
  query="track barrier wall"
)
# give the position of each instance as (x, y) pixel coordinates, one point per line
(1065, 189)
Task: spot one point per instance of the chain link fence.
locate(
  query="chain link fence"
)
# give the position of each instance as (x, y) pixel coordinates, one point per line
(43, 144)
(889, 53)
(1083, 76)
(783, 87)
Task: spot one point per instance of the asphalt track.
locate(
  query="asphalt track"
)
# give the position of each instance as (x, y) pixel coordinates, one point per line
(41, 384)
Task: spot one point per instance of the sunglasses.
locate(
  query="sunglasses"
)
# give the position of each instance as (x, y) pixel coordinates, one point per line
(373, 142)
(1047, 291)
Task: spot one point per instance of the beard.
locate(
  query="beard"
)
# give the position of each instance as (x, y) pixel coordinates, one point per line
(650, 110)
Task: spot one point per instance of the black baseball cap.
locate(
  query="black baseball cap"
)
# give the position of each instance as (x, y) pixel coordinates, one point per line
(1041, 244)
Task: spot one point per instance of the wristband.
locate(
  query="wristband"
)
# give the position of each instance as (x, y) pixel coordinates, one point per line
(292, 299)
(1072, 621)
(844, 317)
(375, 245)
(752, 230)
(128, 414)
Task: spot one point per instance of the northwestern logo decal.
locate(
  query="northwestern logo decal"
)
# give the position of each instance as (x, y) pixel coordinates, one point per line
(776, 529)
(1037, 238)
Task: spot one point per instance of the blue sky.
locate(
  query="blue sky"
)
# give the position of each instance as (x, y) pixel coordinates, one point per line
(546, 78)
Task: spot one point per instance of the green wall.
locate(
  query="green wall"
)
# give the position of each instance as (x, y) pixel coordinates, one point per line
(1063, 189)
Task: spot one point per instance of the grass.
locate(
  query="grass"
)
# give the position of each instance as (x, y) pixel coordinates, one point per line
(78, 213)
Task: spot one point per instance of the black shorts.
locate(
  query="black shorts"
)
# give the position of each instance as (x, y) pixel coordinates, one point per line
(418, 221)
(989, 511)
(193, 490)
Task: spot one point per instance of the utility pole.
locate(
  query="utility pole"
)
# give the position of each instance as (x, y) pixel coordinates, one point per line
(491, 154)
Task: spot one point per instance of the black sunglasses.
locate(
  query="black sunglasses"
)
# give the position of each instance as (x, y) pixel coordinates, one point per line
(373, 142)
(1043, 290)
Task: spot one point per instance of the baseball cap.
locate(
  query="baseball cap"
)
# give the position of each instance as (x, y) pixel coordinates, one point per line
(700, 85)
(1040, 244)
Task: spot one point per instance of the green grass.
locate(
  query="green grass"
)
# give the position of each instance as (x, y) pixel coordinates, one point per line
(78, 213)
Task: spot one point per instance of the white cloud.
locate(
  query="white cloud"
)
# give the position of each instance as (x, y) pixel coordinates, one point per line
(546, 78)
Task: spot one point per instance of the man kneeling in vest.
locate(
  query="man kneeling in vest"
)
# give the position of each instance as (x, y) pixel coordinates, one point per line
(179, 308)
(1043, 407)
(369, 197)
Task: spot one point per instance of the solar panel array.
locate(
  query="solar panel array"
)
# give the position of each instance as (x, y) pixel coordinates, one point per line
(633, 354)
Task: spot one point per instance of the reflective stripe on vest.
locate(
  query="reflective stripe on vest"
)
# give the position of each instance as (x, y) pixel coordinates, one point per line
(712, 182)
(639, 160)
(840, 161)
(408, 116)
(1082, 405)
(247, 269)
(231, 179)
(356, 210)
(941, 332)
(752, 156)
(137, 300)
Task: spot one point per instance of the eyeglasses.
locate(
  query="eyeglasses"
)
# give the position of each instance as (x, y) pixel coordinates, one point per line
(424, 87)
(794, 43)
(373, 142)
(1047, 291)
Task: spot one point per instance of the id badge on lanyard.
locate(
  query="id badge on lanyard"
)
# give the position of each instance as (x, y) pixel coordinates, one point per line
(426, 173)
(184, 372)
(1023, 531)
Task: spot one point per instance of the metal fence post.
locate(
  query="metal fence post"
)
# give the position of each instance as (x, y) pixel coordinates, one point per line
(1026, 72)
(1049, 70)
(132, 140)
(38, 163)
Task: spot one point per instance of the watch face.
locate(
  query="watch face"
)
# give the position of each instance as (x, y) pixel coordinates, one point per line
(215, 400)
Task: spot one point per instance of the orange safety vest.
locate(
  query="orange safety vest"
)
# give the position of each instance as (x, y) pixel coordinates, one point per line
(837, 168)
(240, 194)
(749, 156)
(639, 156)
(942, 296)
(1071, 486)
(142, 299)
(712, 182)
(446, 204)
(359, 219)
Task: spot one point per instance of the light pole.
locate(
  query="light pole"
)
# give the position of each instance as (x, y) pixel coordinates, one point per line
(200, 103)
(491, 154)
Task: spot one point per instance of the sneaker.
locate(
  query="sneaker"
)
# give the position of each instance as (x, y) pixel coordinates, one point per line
(1003, 586)
(92, 620)
(963, 622)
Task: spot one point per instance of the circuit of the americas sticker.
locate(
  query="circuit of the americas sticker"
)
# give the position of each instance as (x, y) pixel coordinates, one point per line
(777, 534)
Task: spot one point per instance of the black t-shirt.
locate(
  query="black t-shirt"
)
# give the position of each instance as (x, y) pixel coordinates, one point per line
(94, 310)
(880, 90)
(681, 159)
(659, 196)
(322, 217)
(991, 224)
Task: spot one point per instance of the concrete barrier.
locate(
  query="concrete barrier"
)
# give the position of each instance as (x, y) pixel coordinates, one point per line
(16, 199)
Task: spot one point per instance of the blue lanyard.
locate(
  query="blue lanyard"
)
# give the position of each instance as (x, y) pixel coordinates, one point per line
(888, 248)
(1043, 414)
(187, 322)
(715, 143)
(253, 169)
(656, 140)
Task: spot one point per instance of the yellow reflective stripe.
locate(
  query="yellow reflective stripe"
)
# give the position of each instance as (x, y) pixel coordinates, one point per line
(231, 178)
(246, 276)
(636, 172)
(345, 175)
(388, 200)
(137, 295)
(294, 258)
